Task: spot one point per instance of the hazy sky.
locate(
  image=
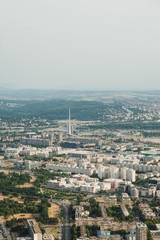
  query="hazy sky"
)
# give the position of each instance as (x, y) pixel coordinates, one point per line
(80, 44)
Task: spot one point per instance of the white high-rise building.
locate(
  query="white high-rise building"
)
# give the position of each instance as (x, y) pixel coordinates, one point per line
(123, 173)
(113, 172)
(69, 124)
(29, 165)
(134, 193)
(130, 175)
(34, 230)
(102, 172)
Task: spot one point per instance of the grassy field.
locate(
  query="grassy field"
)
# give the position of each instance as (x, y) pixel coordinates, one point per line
(54, 232)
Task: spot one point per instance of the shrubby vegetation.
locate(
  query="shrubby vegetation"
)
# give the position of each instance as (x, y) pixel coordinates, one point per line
(19, 226)
(94, 208)
(10, 207)
(52, 156)
(9, 182)
(75, 232)
(116, 212)
(92, 230)
(43, 176)
(120, 232)
(149, 237)
(151, 224)
(13, 222)
(72, 213)
(57, 110)
(31, 193)
(50, 221)
(13, 179)
(150, 134)
(21, 230)
(132, 125)
(80, 198)
(68, 195)
(141, 182)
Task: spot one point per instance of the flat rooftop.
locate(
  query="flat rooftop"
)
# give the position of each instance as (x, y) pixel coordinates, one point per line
(34, 225)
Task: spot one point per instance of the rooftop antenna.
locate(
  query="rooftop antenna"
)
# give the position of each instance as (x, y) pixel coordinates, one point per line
(69, 124)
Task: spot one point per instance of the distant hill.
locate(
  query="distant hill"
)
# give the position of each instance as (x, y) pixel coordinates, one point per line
(37, 94)
(85, 105)
(52, 109)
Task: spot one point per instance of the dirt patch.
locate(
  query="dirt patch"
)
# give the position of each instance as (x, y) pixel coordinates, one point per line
(26, 185)
(13, 198)
(7, 165)
(99, 199)
(33, 179)
(5, 171)
(23, 215)
(54, 211)
(18, 199)
(3, 197)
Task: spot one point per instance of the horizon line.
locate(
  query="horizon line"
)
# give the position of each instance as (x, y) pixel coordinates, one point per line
(80, 90)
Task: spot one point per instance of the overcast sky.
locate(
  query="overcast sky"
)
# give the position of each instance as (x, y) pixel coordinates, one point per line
(80, 44)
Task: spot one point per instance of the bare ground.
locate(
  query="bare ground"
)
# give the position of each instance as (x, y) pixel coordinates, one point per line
(54, 211)
(26, 185)
(13, 198)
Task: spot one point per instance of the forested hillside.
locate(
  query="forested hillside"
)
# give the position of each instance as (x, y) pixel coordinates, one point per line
(53, 109)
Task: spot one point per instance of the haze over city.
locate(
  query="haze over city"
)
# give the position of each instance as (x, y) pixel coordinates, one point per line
(80, 45)
(79, 120)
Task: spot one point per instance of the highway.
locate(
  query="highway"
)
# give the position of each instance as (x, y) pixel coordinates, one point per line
(66, 225)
